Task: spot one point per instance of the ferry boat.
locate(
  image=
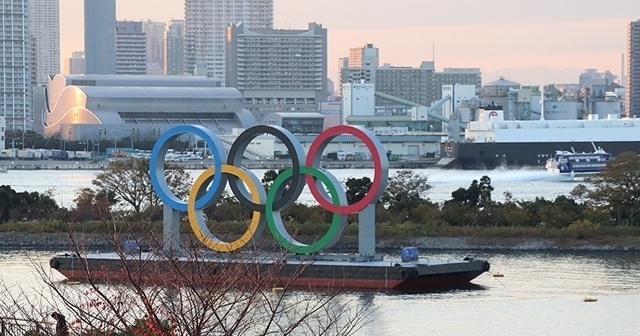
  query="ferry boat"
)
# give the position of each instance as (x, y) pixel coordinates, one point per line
(571, 165)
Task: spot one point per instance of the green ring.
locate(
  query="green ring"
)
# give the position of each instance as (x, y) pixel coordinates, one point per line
(280, 233)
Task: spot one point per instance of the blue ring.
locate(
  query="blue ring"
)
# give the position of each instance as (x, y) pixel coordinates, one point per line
(156, 165)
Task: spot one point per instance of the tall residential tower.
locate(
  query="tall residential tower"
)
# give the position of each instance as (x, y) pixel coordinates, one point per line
(15, 65)
(206, 21)
(632, 94)
(44, 21)
(100, 36)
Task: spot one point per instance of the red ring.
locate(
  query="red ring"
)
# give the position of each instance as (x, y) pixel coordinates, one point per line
(319, 145)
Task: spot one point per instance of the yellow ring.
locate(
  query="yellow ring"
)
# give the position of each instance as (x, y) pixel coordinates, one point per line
(196, 219)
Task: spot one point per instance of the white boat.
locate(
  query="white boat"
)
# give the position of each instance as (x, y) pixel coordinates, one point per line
(570, 165)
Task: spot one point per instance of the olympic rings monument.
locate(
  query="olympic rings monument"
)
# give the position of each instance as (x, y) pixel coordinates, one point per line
(367, 271)
(266, 207)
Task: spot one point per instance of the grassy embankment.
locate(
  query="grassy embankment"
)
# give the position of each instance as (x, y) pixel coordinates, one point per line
(575, 235)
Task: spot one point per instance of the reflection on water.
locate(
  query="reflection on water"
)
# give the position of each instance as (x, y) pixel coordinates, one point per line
(540, 294)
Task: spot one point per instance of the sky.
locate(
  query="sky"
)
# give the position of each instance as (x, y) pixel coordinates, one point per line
(531, 42)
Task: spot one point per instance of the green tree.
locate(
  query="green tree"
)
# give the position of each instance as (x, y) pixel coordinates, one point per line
(404, 191)
(472, 206)
(26, 206)
(357, 188)
(129, 182)
(617, 188)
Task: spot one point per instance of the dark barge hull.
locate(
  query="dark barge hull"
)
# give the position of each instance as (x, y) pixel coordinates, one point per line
(307, 275)
(493, 155)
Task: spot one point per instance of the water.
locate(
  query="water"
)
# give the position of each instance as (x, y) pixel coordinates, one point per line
(540, 294)
(524, 184)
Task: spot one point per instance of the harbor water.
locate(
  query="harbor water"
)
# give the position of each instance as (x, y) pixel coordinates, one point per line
(540, 294)
(522, 184)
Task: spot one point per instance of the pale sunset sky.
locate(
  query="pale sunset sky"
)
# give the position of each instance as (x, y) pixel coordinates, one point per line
(531, 42)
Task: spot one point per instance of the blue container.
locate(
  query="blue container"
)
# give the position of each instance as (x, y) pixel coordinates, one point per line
(131, 246)
(409, 253)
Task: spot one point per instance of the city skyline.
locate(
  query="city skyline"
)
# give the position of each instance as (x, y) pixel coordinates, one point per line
(532, 42)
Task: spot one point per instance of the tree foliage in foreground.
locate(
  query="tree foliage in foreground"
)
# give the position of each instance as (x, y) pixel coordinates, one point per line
(184, 301)
(129, 182)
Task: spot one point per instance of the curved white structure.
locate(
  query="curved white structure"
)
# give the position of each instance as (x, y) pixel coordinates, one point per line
(109, 106)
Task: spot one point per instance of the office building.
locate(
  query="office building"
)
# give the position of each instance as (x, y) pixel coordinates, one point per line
(155, 46)
(632, 94)
(174, 48)
(44, 21)
(205, 23)
(15, 65)
(131, 48)
(100, 36)
(278, 70)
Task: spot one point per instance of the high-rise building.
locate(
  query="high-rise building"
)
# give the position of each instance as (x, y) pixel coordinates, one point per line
(278, 70)
(174, 48)
(77, 63)
(15, 65)
(44, 21)
(131, 48)
(632, 94)
(155, 46)
(205, 24)
(100, 36)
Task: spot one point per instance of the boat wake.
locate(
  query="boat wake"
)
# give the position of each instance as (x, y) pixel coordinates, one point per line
(496, 175)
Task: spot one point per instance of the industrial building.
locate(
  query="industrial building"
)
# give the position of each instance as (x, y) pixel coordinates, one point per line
(93, 107)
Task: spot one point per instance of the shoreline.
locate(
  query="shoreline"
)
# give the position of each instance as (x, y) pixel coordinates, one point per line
(203, 164)
(60, 241)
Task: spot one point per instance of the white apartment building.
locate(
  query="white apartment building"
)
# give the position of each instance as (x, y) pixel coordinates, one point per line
(44, 21)
(15, 65)
(278, 70)
(205, 23)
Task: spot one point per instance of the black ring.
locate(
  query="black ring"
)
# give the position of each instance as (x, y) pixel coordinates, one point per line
(295, 185)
